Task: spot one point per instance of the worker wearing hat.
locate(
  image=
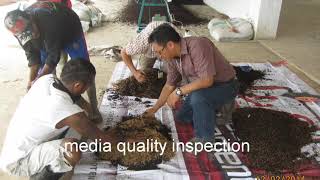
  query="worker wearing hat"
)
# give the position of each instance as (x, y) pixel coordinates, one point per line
(45, 29)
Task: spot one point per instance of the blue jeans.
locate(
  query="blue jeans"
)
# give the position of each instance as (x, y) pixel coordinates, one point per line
(75, 49)
(200, 105)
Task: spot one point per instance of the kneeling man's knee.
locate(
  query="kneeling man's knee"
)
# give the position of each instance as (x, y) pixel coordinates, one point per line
(197, 98)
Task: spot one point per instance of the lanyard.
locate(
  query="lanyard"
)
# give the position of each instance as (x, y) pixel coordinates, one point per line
(181, 69)
(160, 72)
(179, 65)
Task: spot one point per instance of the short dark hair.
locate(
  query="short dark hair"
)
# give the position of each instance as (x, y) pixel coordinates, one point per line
(78, 70)
(163, 34)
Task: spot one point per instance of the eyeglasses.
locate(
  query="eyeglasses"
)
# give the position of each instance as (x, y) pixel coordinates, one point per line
(159, 52)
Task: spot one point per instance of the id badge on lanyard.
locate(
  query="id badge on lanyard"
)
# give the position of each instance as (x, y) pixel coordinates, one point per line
(160, 72)
(181, 70)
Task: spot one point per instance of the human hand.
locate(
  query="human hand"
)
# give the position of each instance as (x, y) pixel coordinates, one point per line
(95, 117)
(173, 99)
(29, 85)
(149, 112)
(139, 76)
(111, 136)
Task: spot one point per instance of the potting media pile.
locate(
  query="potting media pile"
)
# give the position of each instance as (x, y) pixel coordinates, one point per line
(150, 88)
(267, 93)
(138, 129)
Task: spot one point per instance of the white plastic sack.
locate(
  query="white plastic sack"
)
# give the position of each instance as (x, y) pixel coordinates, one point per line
(221, 31)
(82, 11)
(109, 52)
(110, 8)
(85, 26)
(88, 13)
(97, 17)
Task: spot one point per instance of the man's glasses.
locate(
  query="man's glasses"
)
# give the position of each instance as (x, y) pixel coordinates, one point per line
(159, 52)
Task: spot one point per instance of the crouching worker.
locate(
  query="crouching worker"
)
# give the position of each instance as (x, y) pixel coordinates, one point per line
(140, 45)
(33, 145)
(198, 72)
(45, 29)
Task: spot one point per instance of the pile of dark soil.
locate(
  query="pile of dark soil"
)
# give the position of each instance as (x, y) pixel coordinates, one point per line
(275, 138)
(151, 88)
(139, 129)
(130, 14)
(247, 78)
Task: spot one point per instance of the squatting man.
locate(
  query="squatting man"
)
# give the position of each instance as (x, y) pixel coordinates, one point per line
(45, 29)
(140, 45)
(196, 72)
(35, 143)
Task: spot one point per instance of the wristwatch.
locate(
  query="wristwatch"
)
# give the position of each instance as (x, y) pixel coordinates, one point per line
(179, 92)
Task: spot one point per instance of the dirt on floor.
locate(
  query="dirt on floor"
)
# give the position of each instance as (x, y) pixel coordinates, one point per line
(275, 138)
(150, 88)
(246, 77)
(136, 131)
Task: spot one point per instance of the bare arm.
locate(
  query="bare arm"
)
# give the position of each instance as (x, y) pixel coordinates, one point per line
(32, 74)
(128, 60)
(166, 91)
(46, 70)
(186, 89)
(199, 84)
(84, 105)
(84, 127)
(138, 75)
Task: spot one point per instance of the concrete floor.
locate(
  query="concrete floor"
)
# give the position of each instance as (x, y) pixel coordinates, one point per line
(299, 36)
(298, 42)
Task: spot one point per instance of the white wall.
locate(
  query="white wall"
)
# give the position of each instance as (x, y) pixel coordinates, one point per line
(263, 14)
(267, 19)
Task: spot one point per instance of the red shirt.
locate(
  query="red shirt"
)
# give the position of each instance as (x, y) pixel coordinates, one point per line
(199, 59)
